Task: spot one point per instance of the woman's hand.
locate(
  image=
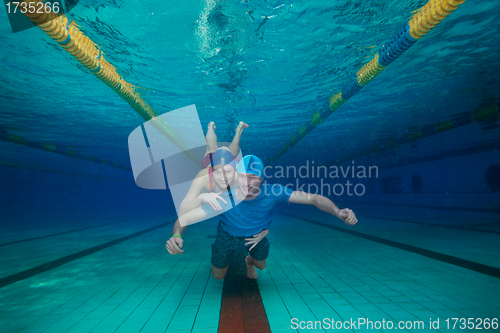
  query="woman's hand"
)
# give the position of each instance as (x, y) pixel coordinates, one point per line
(174, 245)
(348, 216)
(256, 238)
(211, 198)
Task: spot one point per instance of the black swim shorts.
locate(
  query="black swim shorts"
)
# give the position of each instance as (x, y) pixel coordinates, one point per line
(224, 246)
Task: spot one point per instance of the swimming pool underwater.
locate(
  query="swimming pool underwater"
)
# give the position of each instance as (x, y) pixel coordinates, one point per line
(409, 143)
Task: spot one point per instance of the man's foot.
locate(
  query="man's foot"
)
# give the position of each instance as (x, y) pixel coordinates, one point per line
(251, 272)
(241, 126)
(211, 125)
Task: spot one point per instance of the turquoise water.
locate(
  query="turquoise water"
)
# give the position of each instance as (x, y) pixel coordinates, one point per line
(272, 65)
(265, 63)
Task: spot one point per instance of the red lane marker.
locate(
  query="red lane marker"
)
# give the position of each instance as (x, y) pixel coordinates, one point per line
(231, 315)
(254, 313)
(242, 310)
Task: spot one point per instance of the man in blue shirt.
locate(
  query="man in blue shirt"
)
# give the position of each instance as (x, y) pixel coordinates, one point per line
(249, 218)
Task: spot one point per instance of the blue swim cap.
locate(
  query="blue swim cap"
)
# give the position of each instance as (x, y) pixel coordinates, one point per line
(251, 164)
(223, 156)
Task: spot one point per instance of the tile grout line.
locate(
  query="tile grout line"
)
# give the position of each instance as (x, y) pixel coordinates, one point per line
(467, 264)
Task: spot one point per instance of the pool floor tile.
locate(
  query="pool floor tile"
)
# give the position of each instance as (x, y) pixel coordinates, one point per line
(145, 290)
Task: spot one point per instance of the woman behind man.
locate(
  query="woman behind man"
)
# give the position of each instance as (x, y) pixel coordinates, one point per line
(218, 172)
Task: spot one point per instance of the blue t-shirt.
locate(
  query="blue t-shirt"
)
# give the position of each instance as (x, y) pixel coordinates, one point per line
(249, 217)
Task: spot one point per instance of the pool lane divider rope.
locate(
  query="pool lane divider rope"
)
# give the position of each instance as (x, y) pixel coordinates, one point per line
(481, 113)
(58, 149)
(8, 280)
(68, 35)
(426, 18)
(86, 52)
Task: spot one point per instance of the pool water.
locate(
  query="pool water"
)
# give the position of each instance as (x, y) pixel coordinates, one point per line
(414, 153)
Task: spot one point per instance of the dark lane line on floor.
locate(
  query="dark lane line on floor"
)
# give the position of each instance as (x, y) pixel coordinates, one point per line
(241, 308)
(463, 209)
(61, 233)
(49, 225)
(434, 224)
(471, 265)
(64, 260)
(39, 227)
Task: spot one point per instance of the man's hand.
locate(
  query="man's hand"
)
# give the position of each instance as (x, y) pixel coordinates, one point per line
(256, 238)
(348, 216)
(211, 198)
(174, 245)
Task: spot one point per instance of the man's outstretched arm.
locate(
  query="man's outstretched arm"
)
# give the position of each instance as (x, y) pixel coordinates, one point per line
(323, 204)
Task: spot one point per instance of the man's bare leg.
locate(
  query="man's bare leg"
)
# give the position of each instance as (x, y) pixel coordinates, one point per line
(211, 139)
(251, 264)
(219, 273)
(234, 147)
